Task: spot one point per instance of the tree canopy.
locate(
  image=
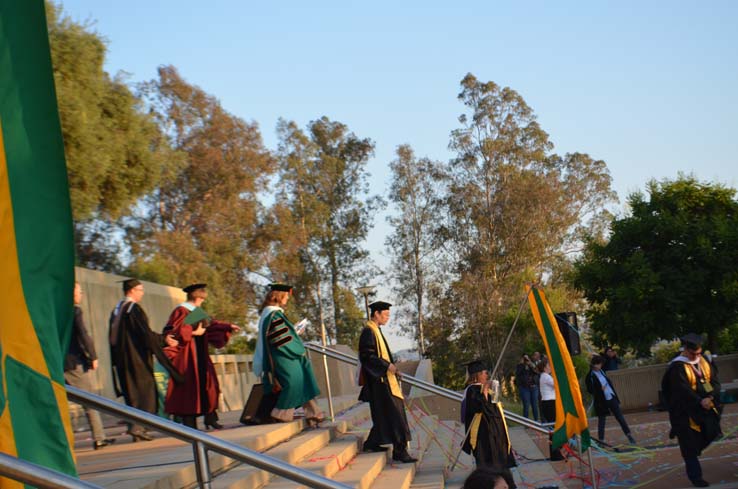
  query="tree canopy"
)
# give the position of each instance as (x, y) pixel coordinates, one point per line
(514, 208)
(668, 268)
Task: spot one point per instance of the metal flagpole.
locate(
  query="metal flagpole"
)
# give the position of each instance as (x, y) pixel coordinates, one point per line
(591, 466)
(509, 335)
(494, 371)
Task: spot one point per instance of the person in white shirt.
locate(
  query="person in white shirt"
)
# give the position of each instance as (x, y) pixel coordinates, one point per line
(548, 400)
(548, 393)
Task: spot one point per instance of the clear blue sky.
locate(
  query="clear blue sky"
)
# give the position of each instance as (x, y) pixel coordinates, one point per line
(649, 87)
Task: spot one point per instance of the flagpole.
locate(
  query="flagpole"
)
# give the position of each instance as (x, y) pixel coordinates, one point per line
(494, 371)
(509, 335)
(591, 468)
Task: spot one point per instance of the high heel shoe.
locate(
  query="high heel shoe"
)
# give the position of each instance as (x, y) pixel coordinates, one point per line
(315, 419)
(140, 436)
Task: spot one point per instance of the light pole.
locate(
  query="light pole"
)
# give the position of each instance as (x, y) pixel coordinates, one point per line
(366, 291)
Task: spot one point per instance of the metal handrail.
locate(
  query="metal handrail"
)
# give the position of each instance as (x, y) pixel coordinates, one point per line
(38, 475)
(426, 386)
(202, 443)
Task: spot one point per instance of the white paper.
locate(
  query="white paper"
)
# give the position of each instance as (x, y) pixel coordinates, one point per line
(301, 325)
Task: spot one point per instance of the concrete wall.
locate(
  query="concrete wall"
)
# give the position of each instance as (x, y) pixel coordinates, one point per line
(102, 291)
(637, 387)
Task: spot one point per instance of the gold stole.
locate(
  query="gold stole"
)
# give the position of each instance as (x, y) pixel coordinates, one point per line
(692, 378)
(394, 385)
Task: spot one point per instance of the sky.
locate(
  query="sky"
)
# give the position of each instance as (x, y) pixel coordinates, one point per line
(648, 87)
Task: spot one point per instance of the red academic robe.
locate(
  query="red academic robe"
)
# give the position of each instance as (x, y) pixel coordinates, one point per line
(198, 394)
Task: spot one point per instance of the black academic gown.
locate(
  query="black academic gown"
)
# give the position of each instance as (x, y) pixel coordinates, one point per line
(389, 421)
(493, 448)
(684, 404)
(133, 365)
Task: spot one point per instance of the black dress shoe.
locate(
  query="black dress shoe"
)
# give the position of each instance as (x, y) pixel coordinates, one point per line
(214, 425)
(700, 483)
(103, 443)
(368, 447)
(404, 458)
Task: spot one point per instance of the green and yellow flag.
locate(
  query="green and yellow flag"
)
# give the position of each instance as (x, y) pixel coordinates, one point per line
(571, 418)
(36, 247)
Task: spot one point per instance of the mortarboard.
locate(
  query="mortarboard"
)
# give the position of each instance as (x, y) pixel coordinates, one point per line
(693, 341)
(378, 306)
(280, 287)
(191, 288)
(475, 366)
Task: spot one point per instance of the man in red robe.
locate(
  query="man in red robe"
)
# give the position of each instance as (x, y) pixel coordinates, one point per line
(195, 330)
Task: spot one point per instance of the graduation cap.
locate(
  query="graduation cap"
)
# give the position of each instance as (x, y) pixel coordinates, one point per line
(693, 341)
(475, 366)
(129, 283)
(191, 288)
(378, 306)
(280, 287)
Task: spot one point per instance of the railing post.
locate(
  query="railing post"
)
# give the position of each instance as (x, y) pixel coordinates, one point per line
(325, 362)
(202, 465)
(592, 472)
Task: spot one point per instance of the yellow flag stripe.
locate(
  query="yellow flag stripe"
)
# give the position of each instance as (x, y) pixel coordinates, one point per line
(17, 320)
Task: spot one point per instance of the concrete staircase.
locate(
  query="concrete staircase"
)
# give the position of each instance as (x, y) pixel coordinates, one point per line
(332, 450)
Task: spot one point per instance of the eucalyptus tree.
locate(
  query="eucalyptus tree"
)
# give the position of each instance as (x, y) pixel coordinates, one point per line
(323, 181)
(416, 191)
(514, 206)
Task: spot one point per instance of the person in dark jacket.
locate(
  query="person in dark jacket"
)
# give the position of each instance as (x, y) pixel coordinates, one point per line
(379, 379)
(691, 389)
(81, 358)
(612, 361)
(605, 398)
(526, 379)
(132, 346)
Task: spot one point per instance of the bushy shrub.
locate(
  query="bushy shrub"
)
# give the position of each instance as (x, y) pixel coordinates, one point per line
(664, 350)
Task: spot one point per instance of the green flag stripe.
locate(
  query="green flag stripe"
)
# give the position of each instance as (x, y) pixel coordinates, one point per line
(565, 388)
(41, 440)
(37, 175)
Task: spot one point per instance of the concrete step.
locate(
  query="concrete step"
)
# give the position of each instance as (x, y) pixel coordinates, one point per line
(292, 451)
(441, 451)
(302, 446)
(534, 467)
(327, 461)
(363, 469)
(168, 463)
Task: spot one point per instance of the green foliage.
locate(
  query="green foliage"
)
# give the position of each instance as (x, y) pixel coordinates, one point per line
(202, 223)
(114, 150)
(513, 211)
(414, 242)
(663, 351)
(667, 269)
(322, 184)
(239, 345)
(727, 340)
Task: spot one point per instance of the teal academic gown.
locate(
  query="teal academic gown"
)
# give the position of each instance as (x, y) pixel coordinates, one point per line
(291, 364)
